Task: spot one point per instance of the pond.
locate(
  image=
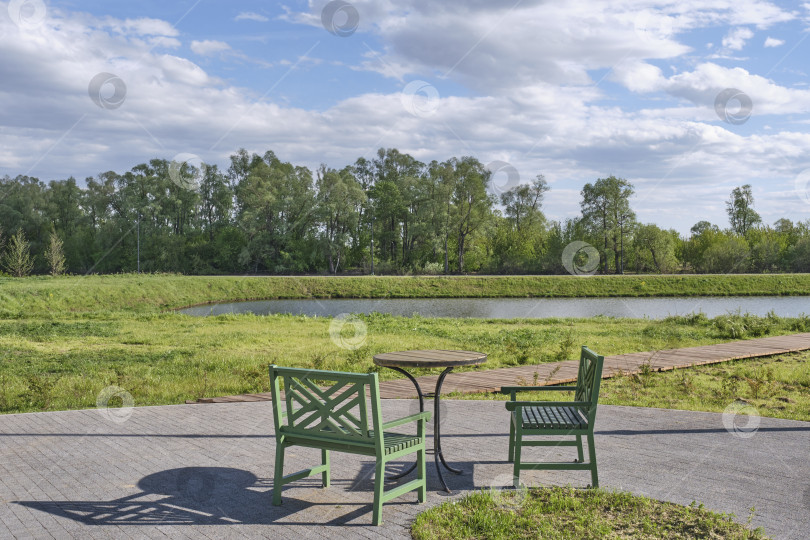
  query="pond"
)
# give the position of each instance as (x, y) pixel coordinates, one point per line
(512, 308)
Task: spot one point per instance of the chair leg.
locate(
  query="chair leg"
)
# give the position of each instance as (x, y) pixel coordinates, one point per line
(421, 493)
(579, 450)
(592, 456)
(279, 472)
(511, 438)
(516, 467)
(325, 461)
(379, 479)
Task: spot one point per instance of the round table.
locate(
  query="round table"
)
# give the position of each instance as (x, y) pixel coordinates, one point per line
(430, 359)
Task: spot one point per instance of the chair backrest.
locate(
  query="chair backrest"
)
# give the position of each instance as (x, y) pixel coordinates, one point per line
(589, 378)
(326, 404)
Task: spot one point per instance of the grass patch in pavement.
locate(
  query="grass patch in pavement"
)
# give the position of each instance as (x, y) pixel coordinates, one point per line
(564, 513)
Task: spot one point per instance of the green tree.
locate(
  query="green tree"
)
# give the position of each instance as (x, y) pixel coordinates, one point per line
(17, 259)
(607, 215)
(727, 255)
(522, 203)
(517, 239)
(276, 210)
(655, 249)
(800, 255)
(55, 254)
(740, 208)
(340, 197)
(471, 203)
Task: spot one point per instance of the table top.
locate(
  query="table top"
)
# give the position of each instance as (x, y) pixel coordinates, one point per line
(430, 359)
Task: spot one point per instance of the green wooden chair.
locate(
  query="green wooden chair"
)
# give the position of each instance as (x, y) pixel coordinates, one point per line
(566, 418)
(317, 411)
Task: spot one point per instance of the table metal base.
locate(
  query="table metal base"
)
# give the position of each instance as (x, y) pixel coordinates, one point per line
(437, 440)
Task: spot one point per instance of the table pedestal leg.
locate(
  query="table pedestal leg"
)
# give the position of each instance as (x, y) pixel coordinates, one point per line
(437, 418)
(437, 438)
(421, 409)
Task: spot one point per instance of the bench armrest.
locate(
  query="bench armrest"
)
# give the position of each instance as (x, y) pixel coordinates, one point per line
(512, 405)
(507, 389)
(412, 418)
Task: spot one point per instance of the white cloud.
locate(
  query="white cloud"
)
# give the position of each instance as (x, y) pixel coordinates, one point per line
(639, 76)
(209, 47)
(536, 108)
(736, 38)
(140, 27)
(773, 42)
(250, 16)
(702, 86)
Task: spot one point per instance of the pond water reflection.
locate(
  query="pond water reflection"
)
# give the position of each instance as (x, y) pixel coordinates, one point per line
(511, 308)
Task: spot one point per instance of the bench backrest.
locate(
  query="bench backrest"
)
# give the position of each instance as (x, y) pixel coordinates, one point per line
(589, 378)
(326, 405)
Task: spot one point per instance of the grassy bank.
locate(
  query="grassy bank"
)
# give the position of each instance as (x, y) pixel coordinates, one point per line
(63, 340)
(64, 361)
(143, 293)
(564, 513)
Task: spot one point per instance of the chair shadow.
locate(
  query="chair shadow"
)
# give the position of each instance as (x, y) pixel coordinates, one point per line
(224, 496)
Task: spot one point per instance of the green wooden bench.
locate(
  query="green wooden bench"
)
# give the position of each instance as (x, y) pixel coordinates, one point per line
(566, 418)
(318, 411)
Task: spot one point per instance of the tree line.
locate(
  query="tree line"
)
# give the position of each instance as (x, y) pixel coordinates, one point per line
(385, 215)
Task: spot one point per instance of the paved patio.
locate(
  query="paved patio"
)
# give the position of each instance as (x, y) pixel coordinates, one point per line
(191, 471)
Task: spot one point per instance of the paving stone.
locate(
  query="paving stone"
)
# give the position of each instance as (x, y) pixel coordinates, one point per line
(194, 471)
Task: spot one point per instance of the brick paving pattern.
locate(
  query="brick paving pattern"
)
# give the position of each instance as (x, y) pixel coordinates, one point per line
(190, 471)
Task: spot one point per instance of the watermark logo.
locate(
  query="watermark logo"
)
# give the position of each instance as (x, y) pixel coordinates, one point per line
(27, 14)
(348, 331)
(741, 419)
(192, 176)
(802, 184)
(733, 106)
(420, 98)
(107, 404)
(651, 28)
(505, 177)
(340, 18)
(505, 494)
(580, 258)
(108, 91)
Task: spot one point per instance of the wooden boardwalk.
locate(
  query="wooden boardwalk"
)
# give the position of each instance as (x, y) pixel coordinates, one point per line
(483, 380)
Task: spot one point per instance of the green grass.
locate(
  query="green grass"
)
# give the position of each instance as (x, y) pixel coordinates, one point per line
(564, 513)
(63, 340)
(44, 295)
(64, 361)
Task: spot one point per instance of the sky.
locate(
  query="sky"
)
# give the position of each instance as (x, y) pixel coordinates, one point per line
(685, 99)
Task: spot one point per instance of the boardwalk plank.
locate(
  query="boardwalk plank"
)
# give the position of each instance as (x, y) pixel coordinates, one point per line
(566, 371)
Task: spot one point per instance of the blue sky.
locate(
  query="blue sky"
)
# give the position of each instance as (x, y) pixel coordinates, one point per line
(573, 91)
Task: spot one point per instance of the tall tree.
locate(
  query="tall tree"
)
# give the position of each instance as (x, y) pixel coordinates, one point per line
(522, 203)
(340, 197)
(607, 214)
(17, 259)
(740, 208)
(472, 205)
(55, 254)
